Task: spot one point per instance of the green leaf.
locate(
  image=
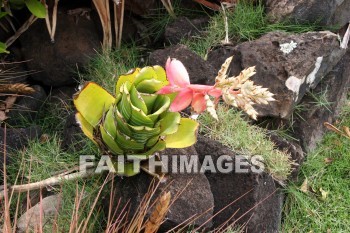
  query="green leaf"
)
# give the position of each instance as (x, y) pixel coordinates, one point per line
(138, 118)
(170, 123)
(161, 75)
(142, 134)
(159, 146)
(87, 129)
(149, 101)
(3, 14)
(108, 140)
(137, 100)
(161, 105)
(36, 7)
(130, 76)
(185, 136)
(92, 101)
(122, 125)
(152, 141)
(124, 106)
(150, 86)
(126, 169)
(145, 74)
(3, 48)
(109, 122)
(128, 144)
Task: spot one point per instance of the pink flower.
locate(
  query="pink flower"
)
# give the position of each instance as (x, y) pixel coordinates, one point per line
(188, 93)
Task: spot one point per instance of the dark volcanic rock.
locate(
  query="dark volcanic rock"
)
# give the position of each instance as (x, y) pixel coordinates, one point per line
(72, 135)
(76, 39)
(249, 198)
(140, 7)
(27, 106)
(199, 70)
(330, 12)
(63, 95)
(184, 27)
(16, 139)
(287, 74)
(323, 105)
(194, 195)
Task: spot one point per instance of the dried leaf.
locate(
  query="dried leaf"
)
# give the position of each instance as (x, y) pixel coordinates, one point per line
(305, 186)
(328, 160)
(2, 116)
(332, 128)
(222, 74)
(324, 194)
(9, 102)
(44, 138)
(347, 131)
(211, 107)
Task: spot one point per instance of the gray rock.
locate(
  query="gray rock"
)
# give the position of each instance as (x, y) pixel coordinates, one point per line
(56, 63)
(72, 135)
(199, 70)
(288, 75)
(333, 90)
(194, 197)
(330, 12)
(242, 198)
(30, 220)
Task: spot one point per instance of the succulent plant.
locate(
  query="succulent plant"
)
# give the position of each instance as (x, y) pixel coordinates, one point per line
(136, 122)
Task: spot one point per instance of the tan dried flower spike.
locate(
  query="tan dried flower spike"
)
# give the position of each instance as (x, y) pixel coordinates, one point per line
(239, 91)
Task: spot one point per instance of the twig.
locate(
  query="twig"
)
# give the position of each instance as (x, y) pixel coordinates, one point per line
(118, 21)
(169, 7)
(226, 41)
(47, 19)
(102, 7)
(20, 31)
(7, 220)
(210, 5)
(43, 183)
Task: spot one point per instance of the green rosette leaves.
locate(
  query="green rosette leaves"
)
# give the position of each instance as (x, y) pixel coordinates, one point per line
(135, 123)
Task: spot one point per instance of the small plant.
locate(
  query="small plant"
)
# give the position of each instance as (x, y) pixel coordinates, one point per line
(235, 91)
(136, 122)
(321, 99)
(143, 117)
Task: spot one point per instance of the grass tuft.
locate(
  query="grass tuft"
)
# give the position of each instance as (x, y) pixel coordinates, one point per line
(237, 134)
(326, 168)
(107, 66)
(247, 21)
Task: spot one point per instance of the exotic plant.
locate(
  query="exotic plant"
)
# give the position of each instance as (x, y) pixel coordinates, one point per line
(237, 91)
(136, 122)
(142, 118)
